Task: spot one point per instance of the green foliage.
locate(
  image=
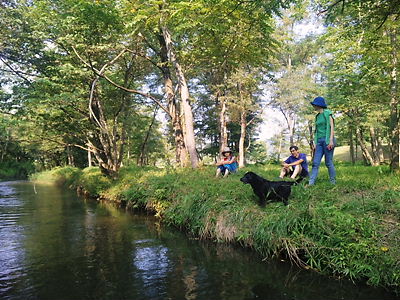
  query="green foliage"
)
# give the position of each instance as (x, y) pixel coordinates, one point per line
(15, 170)
(62, 176)
(94, 181)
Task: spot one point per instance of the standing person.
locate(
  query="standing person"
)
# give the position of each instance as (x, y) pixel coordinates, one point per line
(295, 164)
(324, 140)
(227, 164)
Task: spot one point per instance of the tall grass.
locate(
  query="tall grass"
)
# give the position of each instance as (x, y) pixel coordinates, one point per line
(347, 230)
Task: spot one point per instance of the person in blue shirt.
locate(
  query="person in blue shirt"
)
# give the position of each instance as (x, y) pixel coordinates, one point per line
(295, 165)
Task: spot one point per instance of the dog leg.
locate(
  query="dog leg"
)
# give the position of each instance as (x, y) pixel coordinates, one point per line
(261, 200)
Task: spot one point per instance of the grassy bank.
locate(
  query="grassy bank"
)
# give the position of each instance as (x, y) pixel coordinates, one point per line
(349, 230)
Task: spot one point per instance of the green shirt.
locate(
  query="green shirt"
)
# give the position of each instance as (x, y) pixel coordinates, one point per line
(320, 126)
(323, 126)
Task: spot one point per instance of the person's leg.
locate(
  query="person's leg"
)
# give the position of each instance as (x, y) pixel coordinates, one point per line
(319, 152)
(284, 172)
(220, 170)
(297, 170)
(232, 168)
(304, 173)
(329, 165)
(226, 172)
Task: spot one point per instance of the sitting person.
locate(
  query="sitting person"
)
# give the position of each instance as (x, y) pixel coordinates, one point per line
(227, 164)
(295, 164)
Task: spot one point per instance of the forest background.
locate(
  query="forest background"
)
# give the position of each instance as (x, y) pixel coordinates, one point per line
(87, 82)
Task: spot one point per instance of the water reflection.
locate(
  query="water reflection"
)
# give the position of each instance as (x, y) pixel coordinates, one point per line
(57, 246)
(12, 253)
(152, 268)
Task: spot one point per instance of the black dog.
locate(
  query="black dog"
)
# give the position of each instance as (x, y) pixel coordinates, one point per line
(271, 190)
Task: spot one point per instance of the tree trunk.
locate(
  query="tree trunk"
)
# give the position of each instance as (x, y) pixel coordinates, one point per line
(380, 147)
(173, 107)
(367, 156)
(291, 126)
(107, 143)
(311, 142)
(184, 93)
(243, 125)
(280, 147)
(374, 146)
(351, 139)
(89, 155)
(290, 122)
(223, 132)
(70, 156)
(141, 159)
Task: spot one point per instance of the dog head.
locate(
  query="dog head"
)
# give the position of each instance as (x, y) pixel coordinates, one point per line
(249, 177)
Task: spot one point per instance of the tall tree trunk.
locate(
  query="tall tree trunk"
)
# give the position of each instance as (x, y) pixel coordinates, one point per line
(291, 126)
(280, 147)
(394, 104)
(379, 146)
(184, 93)
(351, 139)
(70, 156)
(107, 143)
(223, 132)
(89, 155)
(367, 156)
(243, 125)
(311, 141)
(290, 122)
(141, 159)
(374, 145)
(173, 107)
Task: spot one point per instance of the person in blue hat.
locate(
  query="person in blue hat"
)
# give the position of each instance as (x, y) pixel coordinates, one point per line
(324, 140)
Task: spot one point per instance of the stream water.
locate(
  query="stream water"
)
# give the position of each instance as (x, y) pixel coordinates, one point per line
(55, 245)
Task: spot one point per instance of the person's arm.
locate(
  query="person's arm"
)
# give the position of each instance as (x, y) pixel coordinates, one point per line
(231, 161)
(332, 123)
(285, 163)
(295, 163)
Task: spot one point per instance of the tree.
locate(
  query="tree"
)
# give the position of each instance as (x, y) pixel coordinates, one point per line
(368, 30)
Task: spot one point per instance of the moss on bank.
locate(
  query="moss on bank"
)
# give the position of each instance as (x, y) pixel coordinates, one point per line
(349, 230)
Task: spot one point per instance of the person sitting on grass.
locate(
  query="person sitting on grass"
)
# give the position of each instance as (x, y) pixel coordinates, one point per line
(295, 165)
(227, 164)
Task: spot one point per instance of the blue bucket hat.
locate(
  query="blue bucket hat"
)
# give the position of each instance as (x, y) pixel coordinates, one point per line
(319, 101)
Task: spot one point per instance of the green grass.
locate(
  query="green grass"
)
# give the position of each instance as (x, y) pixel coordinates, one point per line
(350, 230)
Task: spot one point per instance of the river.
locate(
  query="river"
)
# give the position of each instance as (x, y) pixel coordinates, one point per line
(56, 245)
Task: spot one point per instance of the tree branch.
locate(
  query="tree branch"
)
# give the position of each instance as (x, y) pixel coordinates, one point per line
(100, 73)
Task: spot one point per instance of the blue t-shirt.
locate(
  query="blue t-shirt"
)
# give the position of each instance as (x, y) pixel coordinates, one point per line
(292, 159)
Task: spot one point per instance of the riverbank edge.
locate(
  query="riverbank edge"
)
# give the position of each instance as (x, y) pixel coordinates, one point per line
(313, 234)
